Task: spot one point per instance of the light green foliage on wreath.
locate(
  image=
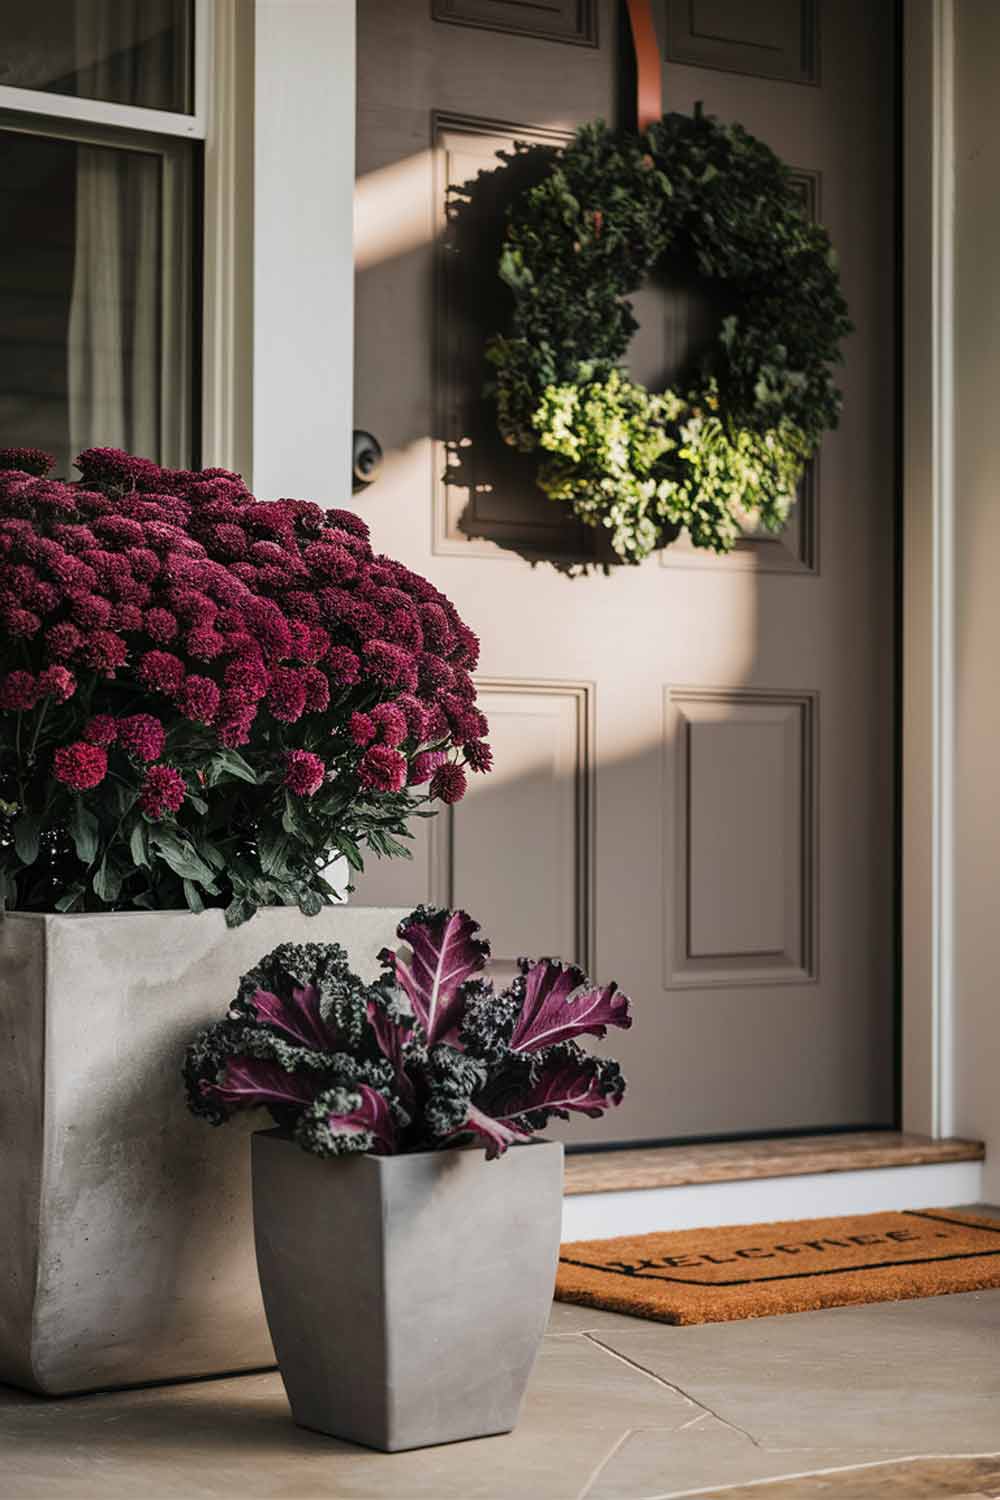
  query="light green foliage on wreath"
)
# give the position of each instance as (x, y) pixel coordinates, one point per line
(726, 450)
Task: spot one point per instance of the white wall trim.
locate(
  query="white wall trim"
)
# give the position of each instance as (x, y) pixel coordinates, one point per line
(703, 1205)
(303, 276)
(928, 568)
(227, 299)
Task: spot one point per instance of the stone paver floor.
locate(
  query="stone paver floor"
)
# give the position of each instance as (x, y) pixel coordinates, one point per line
(906, 1395)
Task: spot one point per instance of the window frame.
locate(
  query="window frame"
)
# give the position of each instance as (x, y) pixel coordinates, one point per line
(179, 261)
(129, 117)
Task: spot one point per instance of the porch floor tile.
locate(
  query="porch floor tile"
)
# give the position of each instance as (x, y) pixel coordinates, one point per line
(618, 1409)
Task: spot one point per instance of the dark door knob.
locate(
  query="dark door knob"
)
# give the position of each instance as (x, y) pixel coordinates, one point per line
(366, 460)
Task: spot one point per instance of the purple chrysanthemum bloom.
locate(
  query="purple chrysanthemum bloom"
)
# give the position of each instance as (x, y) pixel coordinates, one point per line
(423, 766)
(142, 736)
(163, 791)
(199, 699)
(361, 728)
(390, 724)
(29, 460)
(448, 784)
(19, 691)
(382, 769)
(101, 730)
(304, 772)
(478, 756)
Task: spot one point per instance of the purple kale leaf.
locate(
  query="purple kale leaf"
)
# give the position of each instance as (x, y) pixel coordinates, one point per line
(249, 1082)
(446, 954)
(391, 1022)
(223, 1061)
(450, 1079)
(495, 1134)
(235, 1065)
(349, 1119)
(488, 1023)
(530, 1091)
(308, 992)
(558, 1002)
(297, 1017)
(564, 1081)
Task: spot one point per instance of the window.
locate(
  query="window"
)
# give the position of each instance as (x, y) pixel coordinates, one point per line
(98, 245)
(136, 52)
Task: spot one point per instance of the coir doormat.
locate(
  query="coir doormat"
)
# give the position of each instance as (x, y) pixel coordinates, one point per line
(757, 1270)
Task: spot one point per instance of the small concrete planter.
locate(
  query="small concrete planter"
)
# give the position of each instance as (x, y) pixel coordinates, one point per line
(126, 1250)
(406, 1295)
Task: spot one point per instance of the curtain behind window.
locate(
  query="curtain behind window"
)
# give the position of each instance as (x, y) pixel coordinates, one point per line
(113, 342)
(113, 339)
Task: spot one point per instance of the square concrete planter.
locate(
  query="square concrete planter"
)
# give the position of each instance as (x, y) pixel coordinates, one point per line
(126, 1247)
(406, 1295)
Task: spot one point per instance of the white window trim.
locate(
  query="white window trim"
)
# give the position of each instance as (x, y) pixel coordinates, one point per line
(227, 271)
(130, 116)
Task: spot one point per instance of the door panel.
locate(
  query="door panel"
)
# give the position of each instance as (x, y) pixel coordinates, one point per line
(765, 38)
(693, 790)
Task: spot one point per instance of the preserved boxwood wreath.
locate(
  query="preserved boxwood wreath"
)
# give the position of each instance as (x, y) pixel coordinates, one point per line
(728, 446)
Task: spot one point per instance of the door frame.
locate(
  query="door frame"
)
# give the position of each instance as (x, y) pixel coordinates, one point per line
(927, 809)
(291, 150)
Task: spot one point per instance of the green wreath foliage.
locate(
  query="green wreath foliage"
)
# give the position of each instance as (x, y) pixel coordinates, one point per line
(728, 446)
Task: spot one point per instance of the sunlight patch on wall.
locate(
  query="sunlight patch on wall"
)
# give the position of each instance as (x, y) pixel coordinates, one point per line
(394, 210)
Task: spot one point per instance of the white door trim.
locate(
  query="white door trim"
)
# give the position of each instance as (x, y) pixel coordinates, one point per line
(928, 727)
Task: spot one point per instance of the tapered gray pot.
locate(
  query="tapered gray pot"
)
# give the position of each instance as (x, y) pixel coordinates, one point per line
(406, 1295)
(126, 1244)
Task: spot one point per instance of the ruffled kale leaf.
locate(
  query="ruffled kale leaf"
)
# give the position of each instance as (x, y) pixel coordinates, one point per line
(233, 1066)
(489, 1021)
(307, 991)
(445, 954)
(557, 1002)
(391, 1022)
(247, 1082)
(495, 1134)
(452, 1078)
(547, 1003)
(344, 1120)
(528, 1092)
(297, 1015)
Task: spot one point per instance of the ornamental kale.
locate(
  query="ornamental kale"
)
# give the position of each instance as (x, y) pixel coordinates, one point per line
(205, 698)
(426, 1056)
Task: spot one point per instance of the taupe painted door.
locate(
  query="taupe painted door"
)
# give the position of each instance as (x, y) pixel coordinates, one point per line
(694, 783)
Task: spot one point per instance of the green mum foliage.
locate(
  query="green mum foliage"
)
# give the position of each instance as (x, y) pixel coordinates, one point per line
(726, 449)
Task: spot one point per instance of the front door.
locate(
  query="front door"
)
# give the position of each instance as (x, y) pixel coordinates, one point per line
(693, 791)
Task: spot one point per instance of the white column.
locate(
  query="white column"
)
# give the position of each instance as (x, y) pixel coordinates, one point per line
(303, 307)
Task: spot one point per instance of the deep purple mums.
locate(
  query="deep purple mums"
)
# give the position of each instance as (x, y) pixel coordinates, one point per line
(160, 618)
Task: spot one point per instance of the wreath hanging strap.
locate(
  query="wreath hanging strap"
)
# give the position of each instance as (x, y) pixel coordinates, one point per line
(727, 446)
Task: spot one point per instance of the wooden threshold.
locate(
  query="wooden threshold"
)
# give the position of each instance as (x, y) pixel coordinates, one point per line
(740, 1161)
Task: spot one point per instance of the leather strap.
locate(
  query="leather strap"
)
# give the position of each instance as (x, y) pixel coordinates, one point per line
(649, 71)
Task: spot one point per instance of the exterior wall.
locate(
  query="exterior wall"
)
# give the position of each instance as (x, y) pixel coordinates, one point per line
(976, 1036)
